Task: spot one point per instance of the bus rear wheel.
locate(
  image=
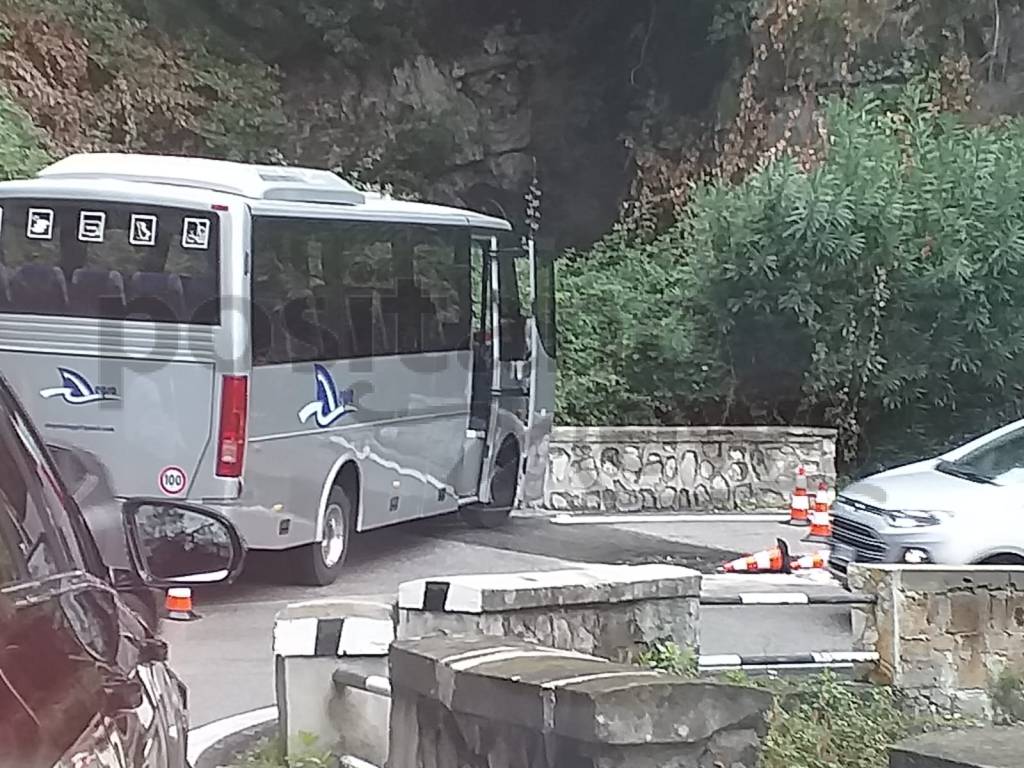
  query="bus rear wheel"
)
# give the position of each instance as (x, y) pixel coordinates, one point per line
(318, 564)
(504, 486)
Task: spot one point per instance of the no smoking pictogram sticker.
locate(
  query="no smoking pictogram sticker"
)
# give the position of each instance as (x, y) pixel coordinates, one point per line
(173, 480)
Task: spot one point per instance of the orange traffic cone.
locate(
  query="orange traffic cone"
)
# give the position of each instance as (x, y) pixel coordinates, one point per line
(800, 502)
(810, 562)
(178, 604)
(774, 560)
(821, 517)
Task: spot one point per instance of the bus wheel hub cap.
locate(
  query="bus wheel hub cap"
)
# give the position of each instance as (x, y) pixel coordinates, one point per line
(333, 544)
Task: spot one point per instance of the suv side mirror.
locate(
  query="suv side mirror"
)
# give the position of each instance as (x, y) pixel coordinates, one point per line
(171, 543)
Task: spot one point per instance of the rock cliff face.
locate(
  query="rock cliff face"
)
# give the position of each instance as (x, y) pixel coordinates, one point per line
(597, 102)
(490, 96)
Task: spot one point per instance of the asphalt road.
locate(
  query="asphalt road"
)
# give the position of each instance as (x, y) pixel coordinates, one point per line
(226, 657)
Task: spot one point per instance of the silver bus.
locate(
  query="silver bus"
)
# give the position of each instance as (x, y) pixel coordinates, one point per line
(309, 359)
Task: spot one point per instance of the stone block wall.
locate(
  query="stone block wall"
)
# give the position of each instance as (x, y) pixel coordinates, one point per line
(605, 610)
(943, 634)
(715, 469)
(486, 702)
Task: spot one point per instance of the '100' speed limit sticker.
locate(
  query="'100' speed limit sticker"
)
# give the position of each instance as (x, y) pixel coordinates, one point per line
(173, 480)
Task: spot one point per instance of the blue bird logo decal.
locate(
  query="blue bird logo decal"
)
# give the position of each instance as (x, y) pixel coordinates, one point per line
(330, 405)
(77, 390)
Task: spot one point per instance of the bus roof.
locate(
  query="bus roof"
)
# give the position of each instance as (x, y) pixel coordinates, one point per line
(285, 190)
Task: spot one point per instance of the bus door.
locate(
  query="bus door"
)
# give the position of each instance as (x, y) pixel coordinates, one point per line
(542, 372)
(509, 288)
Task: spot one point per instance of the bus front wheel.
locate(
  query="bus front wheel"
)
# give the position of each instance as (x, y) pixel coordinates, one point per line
(503, 492)
(318, 564)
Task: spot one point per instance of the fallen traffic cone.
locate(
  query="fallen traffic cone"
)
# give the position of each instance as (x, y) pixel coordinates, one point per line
(178, 604)
(800, 502)
(821, 517)
(774, 560)
(810, 562)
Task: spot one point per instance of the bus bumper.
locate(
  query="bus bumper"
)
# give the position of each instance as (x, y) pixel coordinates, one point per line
(263, 528)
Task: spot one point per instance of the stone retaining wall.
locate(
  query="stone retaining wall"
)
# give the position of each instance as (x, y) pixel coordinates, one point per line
(605, 610)
(943, 634)
(719, 469)
(487, 702)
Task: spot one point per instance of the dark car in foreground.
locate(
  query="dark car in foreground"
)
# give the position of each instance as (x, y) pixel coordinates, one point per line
(84, 679)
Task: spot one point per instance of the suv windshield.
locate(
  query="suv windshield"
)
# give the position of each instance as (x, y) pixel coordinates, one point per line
(992, 461)
(38, 536)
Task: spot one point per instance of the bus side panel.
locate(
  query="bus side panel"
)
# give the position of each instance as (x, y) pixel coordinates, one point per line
(439, 415)
(402, 419)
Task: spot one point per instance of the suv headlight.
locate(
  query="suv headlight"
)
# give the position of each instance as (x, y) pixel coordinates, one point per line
(914, 518)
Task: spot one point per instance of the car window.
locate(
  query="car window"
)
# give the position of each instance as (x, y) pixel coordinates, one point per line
(997, 458)
(39, 533)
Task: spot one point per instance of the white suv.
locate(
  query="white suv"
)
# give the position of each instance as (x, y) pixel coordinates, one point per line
(962, 508)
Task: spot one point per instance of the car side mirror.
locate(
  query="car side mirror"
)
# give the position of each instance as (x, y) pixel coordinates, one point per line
(171, 543)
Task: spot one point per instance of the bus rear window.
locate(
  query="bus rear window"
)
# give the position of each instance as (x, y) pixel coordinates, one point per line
(115, 261)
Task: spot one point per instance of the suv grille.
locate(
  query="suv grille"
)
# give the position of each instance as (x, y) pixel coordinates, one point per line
(870, 548)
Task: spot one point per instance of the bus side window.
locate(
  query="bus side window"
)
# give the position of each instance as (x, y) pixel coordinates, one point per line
(514, 285)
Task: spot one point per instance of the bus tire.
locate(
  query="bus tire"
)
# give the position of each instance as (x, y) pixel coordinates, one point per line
(318, 564)
(503, 492)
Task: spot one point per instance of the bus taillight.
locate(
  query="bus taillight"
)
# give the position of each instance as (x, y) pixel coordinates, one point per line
(234, 407)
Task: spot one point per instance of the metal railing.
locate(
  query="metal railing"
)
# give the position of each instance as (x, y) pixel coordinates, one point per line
(350, 761)
(817, 660)
(786, 598)
(346, 678)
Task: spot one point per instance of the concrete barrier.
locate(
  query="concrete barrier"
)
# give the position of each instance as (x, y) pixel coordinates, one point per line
(322, 649)
(943, 634)
(970, 748)
(605, 610)
(497, 702)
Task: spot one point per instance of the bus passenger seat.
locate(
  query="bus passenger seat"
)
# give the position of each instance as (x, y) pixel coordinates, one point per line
(277, 348)
(201, 298)
(97, 292)
(158, 294)
(39, 289)
(302, 328)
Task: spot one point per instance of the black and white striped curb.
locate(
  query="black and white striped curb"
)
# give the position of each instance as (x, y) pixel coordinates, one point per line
(786, 598)
(479, 593)
(346, 636)
(820, 659)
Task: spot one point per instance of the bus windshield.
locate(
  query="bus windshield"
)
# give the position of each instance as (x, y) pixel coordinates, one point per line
(119, 261)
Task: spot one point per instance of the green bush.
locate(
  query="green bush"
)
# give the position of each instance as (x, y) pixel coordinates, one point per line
(826, 724)
(270, 753)
(666, 656)
(1007, 691)
(879, 292)
(817, 722)
(21, 144)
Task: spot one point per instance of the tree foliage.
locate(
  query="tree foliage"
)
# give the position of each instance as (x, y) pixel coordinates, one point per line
(21, 143)
(96, 77)
(879, 292)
